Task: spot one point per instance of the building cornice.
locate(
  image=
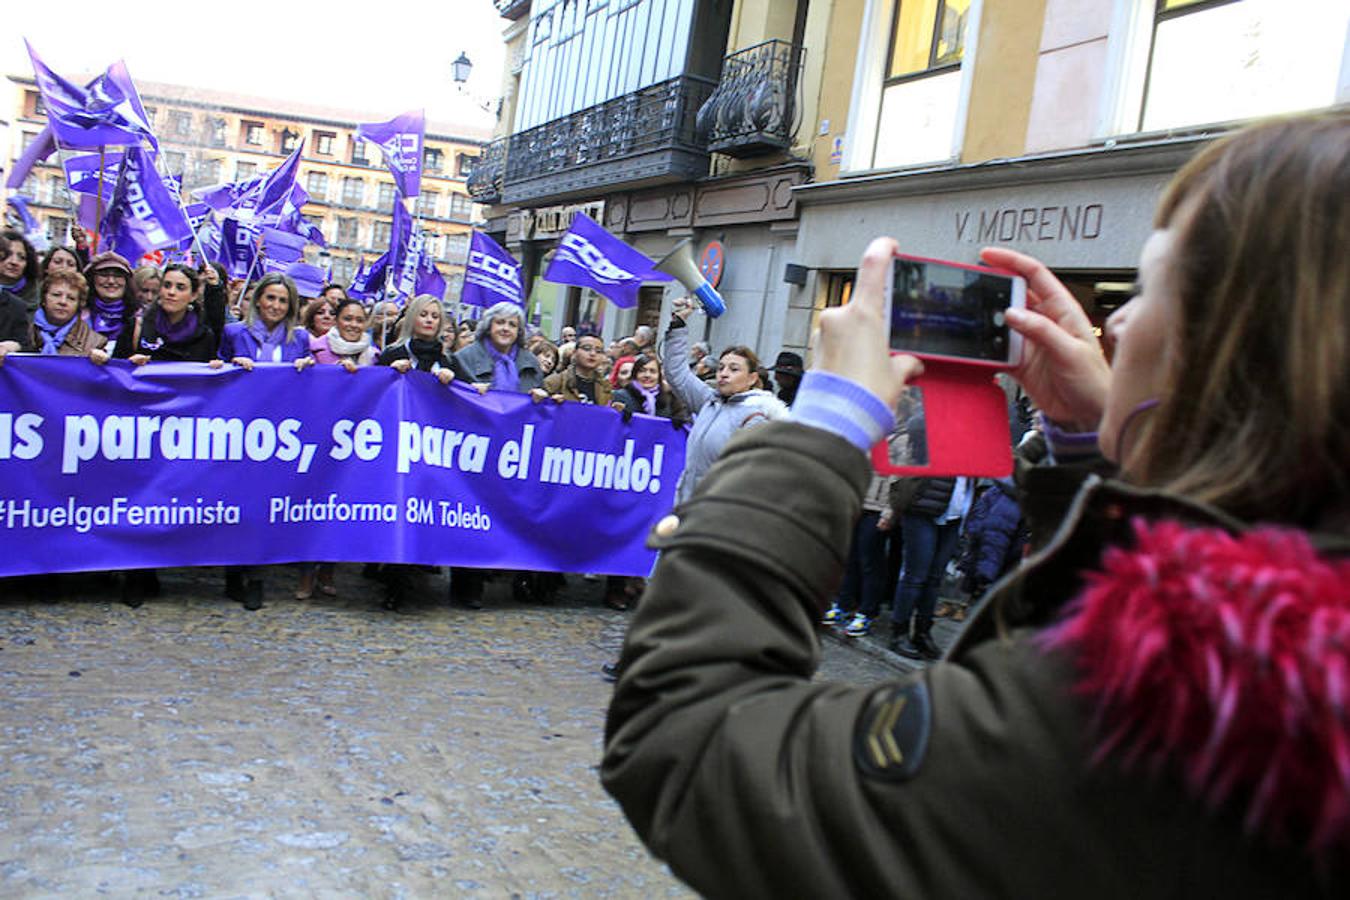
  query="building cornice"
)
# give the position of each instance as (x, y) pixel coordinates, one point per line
(1106, 161)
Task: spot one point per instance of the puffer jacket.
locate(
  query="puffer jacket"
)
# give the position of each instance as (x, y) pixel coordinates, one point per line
(716, 418)
(1161, 690)
(992, 532)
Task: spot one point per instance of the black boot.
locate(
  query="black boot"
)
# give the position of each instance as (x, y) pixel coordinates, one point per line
(234, 585)
(610, 671)
(133, 589)
(923, 639)
(253, 593)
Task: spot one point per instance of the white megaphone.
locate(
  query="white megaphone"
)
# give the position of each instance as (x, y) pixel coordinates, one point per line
(680, 263)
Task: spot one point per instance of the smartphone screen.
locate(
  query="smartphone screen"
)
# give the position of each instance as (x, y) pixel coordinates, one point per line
(953, 311)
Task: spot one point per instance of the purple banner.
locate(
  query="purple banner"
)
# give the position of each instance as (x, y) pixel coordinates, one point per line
(400, 140)
(491, 275)
(590, 256)
(105, 112)
(119, 467)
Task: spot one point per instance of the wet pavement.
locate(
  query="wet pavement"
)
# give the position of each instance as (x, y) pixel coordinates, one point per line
(323, 748)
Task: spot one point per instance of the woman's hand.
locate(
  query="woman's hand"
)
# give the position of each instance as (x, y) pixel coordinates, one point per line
(242, 362)
(210, 275)
(401, 365)
(852, 339)
(482, 387)
(618, 405)
(98, 356)
(349, 365)
(138, 359)
(538, 395)
(303, 363)
(6, 348)
(682, 308)
(1063, 368)
(445, 376)
(215, 363)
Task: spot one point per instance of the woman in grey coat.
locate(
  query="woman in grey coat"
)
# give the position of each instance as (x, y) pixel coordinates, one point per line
(497, 359)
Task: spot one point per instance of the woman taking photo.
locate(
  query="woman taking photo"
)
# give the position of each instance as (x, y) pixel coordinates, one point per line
(269, 333)
(1161, 688)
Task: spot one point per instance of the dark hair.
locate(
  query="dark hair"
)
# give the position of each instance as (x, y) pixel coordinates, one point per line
(330, 286)
(30, 266)
(193, 276)
(745, 353)
(312, 311)
(52, 251)
(349, 301)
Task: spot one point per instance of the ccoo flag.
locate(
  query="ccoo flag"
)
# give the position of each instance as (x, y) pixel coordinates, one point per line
(491, 275)
(400, 140)
(589, 256)
(143, 214)
(105, 112)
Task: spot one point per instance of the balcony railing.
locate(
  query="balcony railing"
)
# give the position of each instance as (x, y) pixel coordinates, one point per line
(511, 9)
(754, 109)
(485, 178)
(646, 137)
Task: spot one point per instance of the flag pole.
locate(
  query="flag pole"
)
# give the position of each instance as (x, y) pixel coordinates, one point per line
(102, 148)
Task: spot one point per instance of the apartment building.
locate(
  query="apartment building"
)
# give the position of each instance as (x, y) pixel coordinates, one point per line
(211, 137)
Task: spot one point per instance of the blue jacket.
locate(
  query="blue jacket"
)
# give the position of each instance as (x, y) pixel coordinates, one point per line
(239, 341)
(992, 531)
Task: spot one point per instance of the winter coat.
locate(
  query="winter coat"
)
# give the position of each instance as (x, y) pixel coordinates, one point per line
(993, 532)
(565, 383)
(1148, 708)
(475, 365)
(200, 346)
(239, 341)
(716, 418)
(402, 350)
(668, 406)
(13, 319)
(79, 341)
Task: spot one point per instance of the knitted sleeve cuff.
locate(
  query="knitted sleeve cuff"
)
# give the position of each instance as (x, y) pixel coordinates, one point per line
(841, 406)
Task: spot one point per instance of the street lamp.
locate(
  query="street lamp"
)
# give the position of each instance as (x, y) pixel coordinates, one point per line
(461, 68)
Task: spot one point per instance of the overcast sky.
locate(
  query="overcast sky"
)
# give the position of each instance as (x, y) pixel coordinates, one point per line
(392, 56)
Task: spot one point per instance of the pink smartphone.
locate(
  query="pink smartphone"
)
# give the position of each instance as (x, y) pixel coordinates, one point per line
(952, 311)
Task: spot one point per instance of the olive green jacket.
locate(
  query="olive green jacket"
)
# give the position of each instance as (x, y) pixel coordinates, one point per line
(971, 779)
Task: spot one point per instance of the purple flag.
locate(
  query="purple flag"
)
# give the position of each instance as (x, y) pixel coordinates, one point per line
(405, 246)
(492, 275)
(82, 173)
(590, 256)
(43, 146)
(400, 140)
(258, 196)
(308, 279)
(429, 277)
(107, 112)
(31, 228)
(238, 247)
(143, 214)
(282, 246)
(368, 283)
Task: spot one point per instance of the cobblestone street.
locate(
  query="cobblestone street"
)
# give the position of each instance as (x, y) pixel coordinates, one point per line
(190, 748)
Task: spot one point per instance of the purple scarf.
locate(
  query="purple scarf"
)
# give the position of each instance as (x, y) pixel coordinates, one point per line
(269, 340)
(52, 335)
(106, 317)
(504, 374)
(175, 334)
(648, 396)
(17, 287)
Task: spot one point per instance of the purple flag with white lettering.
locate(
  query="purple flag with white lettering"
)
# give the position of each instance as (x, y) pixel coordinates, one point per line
(143, 215)
(589, 256)
(400, 140)
(43, 146)
(238, 247)
(491, 275)
(368, 283)
(106, 112)
(258, 196)
(82, 173)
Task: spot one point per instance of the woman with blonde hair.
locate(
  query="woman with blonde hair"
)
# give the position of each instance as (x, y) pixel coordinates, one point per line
(270, 333)
(145, 285)
(418, 342)
(1162, 687)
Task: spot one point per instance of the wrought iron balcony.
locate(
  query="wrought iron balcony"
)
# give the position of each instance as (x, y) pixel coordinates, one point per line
(754, 109)
(511, 9)
(643, 138)
(485, 178)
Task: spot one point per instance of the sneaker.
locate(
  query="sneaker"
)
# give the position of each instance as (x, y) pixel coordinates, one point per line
(833, 616)
(860, 626)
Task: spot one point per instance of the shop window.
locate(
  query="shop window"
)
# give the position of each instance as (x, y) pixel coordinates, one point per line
(1183, 63)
